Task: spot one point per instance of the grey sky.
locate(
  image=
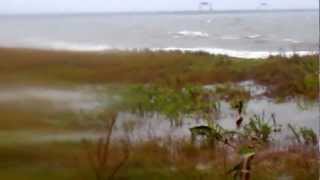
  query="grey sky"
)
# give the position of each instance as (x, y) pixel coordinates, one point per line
(51, 6)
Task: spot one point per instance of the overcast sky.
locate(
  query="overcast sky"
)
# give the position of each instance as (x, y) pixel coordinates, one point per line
(65, 6)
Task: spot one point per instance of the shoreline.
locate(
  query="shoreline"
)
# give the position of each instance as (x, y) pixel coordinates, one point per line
(240, 54)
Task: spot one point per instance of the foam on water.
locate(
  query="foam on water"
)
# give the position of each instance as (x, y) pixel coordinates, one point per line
(62, 45)
(229, 37)
(186, 33)
(86, 47)
(237, 53)
(291, 41)
(65, 46)
(253, 36)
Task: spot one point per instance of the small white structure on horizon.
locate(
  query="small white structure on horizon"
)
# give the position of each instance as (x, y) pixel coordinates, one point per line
(263, 6)
(205, 6)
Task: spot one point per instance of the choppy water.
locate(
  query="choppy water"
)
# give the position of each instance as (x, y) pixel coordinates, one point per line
(240, 34)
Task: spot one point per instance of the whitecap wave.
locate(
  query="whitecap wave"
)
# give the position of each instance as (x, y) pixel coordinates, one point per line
(186, 33)
(87, 47)
(237, 53)
(63, 45)
(291, 41)
(253, 36)
(78, 47)
(227, 37)
(209, 21)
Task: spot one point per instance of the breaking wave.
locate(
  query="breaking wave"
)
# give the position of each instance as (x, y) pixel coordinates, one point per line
(86, 47)
(186, 33)
(78, 47)
(229, 37)
(291, 41)
(253, 36)
(238, 53)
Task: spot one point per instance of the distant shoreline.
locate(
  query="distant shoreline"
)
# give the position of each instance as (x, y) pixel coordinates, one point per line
(186, 12)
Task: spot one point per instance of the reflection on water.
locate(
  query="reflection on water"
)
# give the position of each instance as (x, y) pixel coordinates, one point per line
(287, 112)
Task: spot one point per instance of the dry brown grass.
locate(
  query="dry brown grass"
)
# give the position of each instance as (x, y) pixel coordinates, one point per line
(284, 76)
(149, 160)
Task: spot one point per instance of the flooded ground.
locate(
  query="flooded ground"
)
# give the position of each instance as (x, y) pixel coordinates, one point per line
(58, 98)
(286, 112)
(141, 128)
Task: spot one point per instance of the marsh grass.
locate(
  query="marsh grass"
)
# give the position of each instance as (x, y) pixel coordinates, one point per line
(284, 77)
(174, 104)
(151, 160)
(39, 117)
(169, 74)
(99, 157)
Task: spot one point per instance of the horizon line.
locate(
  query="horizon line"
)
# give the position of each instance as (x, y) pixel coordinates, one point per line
(158, 12)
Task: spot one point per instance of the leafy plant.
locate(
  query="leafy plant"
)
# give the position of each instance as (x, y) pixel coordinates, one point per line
(304, 135)
(260, 129)
(212, 134)
(174, 104)
(309, 136)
